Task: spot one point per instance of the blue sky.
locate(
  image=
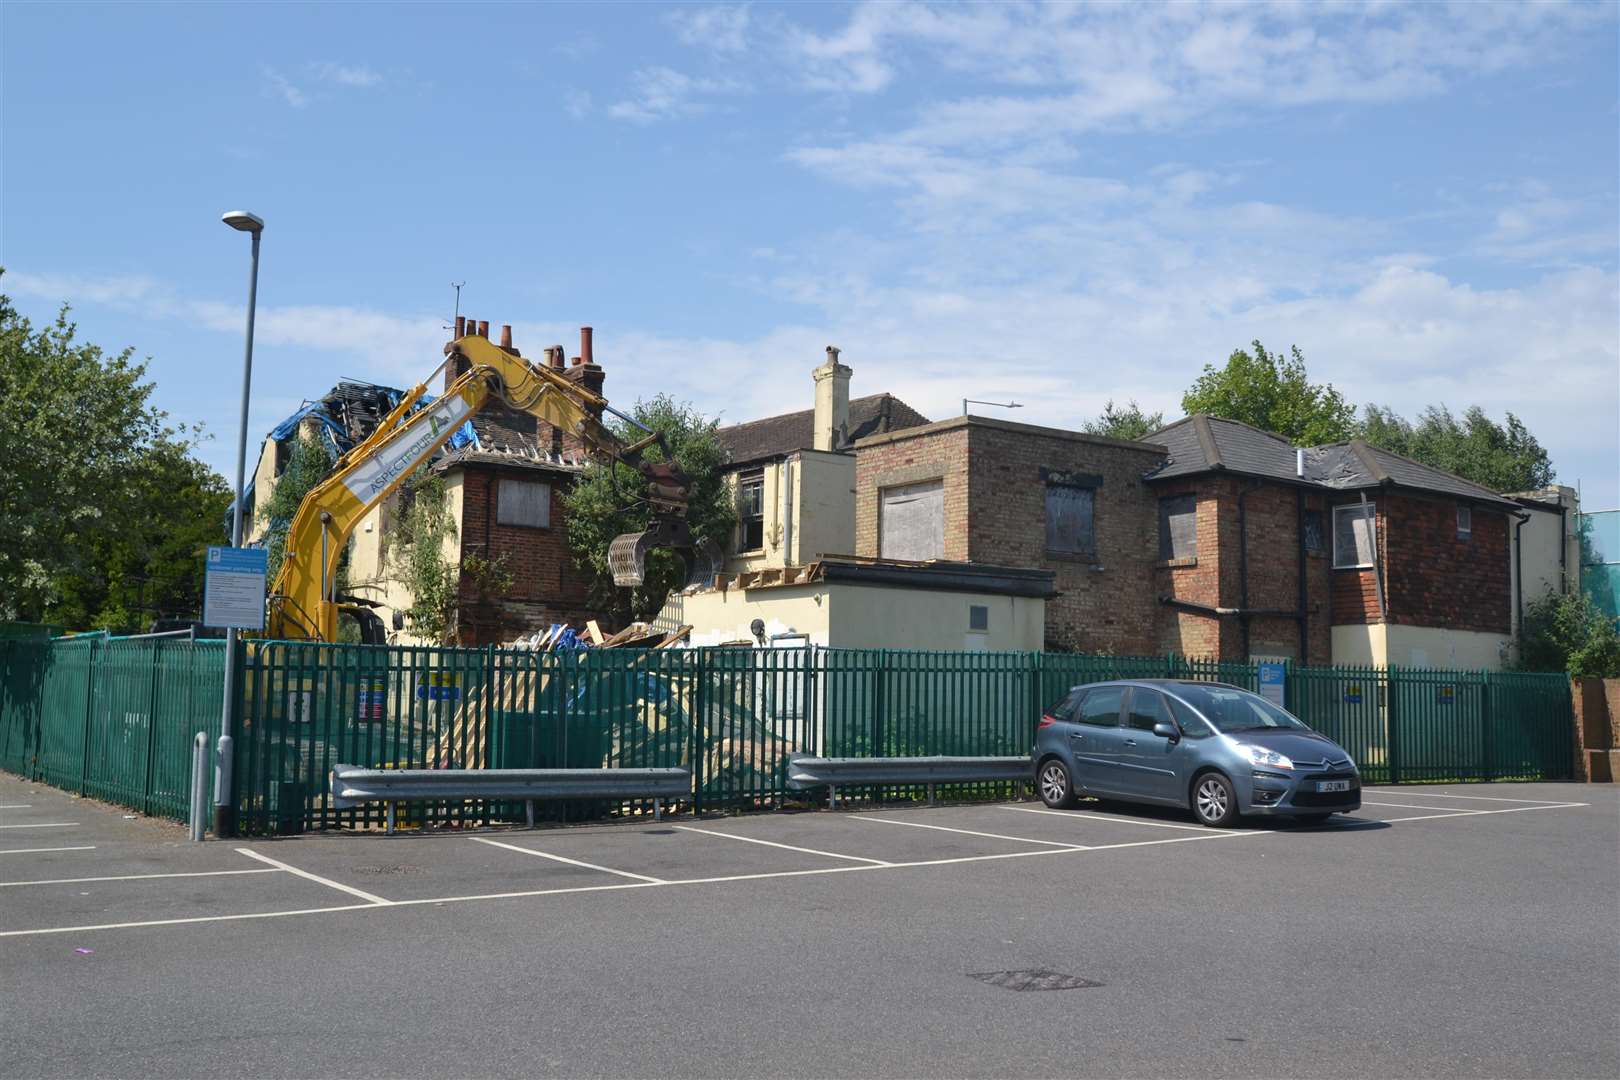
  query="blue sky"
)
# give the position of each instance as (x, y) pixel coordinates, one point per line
(1060, 204)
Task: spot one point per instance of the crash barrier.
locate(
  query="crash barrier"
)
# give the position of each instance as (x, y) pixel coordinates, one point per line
(352, 786)
(805, 772)
(114, 719)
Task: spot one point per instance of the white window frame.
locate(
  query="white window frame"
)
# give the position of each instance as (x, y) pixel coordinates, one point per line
(1465, 522)
(1369, 513)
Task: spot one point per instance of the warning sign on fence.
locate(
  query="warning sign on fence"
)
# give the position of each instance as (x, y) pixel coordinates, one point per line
(439, 686)
(369, 701)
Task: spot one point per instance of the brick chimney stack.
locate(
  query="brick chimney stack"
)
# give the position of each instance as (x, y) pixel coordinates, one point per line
(584, 370)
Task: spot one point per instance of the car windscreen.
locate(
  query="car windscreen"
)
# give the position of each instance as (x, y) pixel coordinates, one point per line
(1237, 710)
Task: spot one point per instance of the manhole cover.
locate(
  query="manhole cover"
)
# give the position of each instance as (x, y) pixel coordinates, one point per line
(1033, 979)
(388, 869)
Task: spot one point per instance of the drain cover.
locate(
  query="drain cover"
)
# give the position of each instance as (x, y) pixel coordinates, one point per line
(1033, 979)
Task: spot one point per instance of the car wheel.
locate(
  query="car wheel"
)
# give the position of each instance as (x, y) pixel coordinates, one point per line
(1056, 787)
(1214, 803)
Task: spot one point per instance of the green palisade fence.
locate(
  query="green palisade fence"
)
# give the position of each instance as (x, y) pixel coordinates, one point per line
(114, 718)
(109, 718)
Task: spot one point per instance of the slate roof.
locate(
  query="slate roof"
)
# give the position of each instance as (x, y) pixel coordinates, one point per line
(1201, 443)
(774, 436)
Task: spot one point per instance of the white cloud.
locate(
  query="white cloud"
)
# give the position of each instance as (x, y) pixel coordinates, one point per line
(347, 75)
(722, 28)
(278, 85)
(661, 93)
(577, 103)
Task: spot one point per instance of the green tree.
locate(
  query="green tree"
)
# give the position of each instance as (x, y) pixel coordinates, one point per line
(1273, 393)
(1568, 632)
(1127, 422)
(1502, 457)
(416, 556)
(605, 502)
(102, 509)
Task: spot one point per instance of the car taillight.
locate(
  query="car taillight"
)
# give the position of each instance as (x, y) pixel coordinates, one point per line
(1046, 721)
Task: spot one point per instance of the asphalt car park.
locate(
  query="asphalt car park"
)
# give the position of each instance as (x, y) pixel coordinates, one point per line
(1441, 930)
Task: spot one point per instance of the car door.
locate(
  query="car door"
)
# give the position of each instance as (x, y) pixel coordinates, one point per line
(1151, 766)
(1094, 740)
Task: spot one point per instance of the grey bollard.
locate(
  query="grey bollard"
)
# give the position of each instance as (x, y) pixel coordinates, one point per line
(199, 785)
(224, 793)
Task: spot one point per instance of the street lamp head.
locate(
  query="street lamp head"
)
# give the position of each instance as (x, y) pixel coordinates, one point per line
(241, 219)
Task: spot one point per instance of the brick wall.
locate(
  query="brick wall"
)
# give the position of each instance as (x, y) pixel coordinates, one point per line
(1436, 578)
(995, 512)
(1214, 578)
(546, 586)
(891, 460)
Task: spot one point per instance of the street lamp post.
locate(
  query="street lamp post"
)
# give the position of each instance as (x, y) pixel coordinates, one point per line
(998, 404)
(242, 221)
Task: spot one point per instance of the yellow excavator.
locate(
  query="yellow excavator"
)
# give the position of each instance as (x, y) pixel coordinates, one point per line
(304, 603)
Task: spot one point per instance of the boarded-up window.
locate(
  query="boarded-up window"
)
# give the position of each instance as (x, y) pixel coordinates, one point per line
(1354, 536)
(1178, 527)
(911, 524)
(524, 502)
(1070, 520)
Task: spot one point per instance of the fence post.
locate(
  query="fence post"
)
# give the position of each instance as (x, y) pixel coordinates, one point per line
(89, 711)
(151, 727)
(700, 765)
(1485, 726)
(1392, 724)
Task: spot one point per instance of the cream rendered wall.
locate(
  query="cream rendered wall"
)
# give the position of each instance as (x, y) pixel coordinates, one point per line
(859, 617)
(876, 617)
(822, 518)
(717, 616)
(264, 485)
(1381, 645)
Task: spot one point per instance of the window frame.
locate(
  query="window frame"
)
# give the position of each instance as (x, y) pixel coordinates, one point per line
(746, 480)
(979, 618)
(1321, 547)
(500, 503)
(1083, 554)
(1465, 522)
(1368, 513)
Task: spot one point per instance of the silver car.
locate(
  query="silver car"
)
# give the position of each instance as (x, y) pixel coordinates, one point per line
(1215, 749)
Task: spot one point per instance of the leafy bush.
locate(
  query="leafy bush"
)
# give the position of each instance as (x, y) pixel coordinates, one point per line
(1564, 632)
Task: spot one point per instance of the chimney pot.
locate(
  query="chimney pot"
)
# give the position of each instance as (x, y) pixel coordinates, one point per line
(578, 362)
(483, 328)
(554, 355)
(461, 326)
(585, 345)
(506, 336)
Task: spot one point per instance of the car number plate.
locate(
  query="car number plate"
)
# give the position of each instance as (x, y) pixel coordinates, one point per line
(1333, 785)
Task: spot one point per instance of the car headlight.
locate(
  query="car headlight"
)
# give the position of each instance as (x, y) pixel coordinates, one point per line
(1259, 755)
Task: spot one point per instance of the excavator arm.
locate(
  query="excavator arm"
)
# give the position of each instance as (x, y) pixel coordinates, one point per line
(303, 599)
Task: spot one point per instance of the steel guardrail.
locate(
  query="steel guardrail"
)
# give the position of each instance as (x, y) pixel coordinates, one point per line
(352, 786)
(806, 771)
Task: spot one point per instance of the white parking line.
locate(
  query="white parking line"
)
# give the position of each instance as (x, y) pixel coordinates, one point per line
(1482, 813)
(44, 825)
(1477, 798)
(965, 832)
(16, 806)
(785, 847)
(653, 884)
(1102, 817)
(571, 862)
(1415, 806)
(330, 884)
(41, 850)
(137, 877)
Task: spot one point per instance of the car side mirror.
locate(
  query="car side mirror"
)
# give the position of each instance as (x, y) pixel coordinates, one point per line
(1164, 729)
